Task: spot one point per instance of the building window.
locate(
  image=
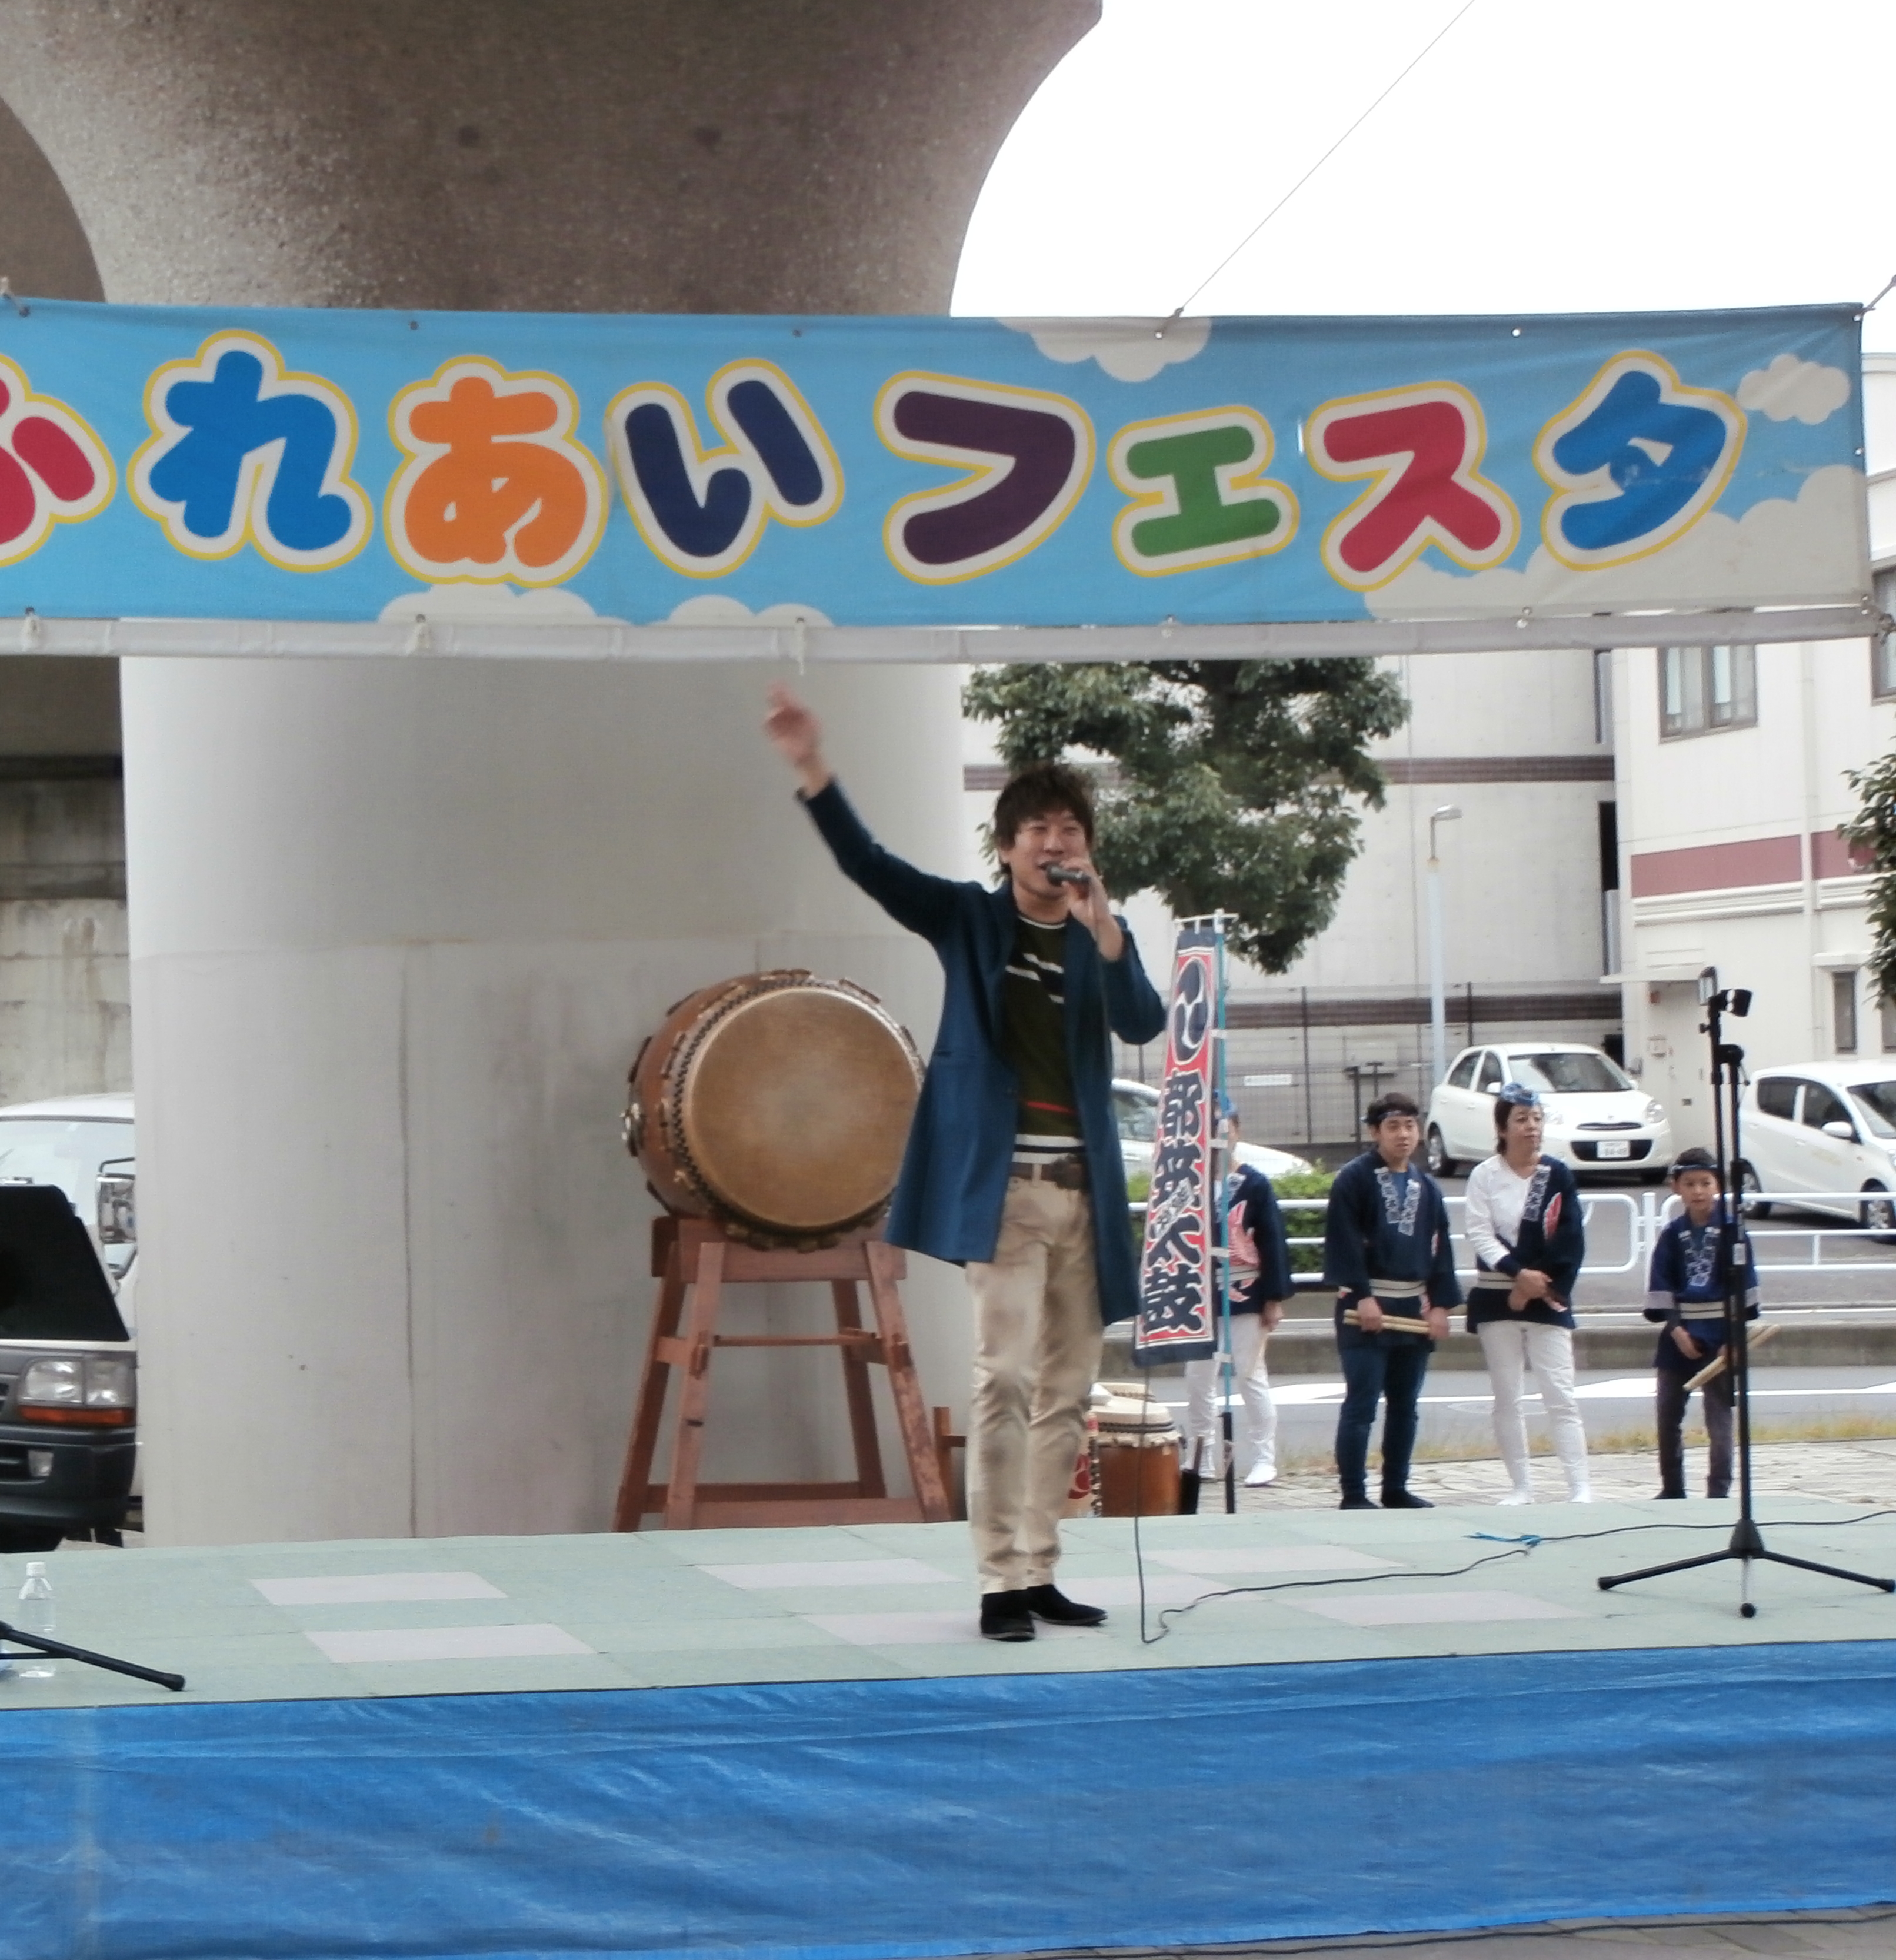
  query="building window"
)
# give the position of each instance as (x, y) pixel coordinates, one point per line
(1886, 1025)
(1882, 649)
(1843, 1011)
(1703, 689)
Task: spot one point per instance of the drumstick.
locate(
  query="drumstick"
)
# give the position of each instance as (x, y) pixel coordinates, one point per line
(1391, 1323)
(1716, 1365)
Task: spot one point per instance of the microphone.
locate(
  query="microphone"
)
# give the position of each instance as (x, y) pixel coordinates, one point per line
(1059, 874)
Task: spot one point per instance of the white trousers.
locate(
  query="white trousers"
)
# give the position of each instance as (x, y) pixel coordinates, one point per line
(1257, 1423)
(1037, 1340)
(1511, 1347)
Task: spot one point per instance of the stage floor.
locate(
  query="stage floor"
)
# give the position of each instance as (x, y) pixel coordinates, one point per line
(431, 1617)
(793, 1744)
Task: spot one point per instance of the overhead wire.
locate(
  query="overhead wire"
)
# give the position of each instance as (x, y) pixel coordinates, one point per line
(1178, 311)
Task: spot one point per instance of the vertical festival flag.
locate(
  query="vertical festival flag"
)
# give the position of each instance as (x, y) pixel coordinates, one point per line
(1178, 1269)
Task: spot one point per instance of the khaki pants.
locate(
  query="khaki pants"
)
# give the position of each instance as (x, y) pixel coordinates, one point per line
(1037, 1339)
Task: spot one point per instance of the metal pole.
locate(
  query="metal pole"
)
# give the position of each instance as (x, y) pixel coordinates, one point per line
(1438, 1000)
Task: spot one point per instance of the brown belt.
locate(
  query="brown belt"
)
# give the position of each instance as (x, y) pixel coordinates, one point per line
(1066, 1173)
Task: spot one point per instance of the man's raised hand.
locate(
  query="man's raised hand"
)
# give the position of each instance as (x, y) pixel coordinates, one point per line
(797, 735)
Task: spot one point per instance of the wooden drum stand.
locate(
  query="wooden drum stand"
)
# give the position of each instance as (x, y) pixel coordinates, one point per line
(696, 1256)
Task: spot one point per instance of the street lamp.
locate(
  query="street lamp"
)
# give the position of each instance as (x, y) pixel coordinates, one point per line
(1438, 1002)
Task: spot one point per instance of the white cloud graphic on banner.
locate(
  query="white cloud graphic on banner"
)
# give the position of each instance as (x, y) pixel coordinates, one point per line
(1128, 349)
(1779, 553)
(1789, 388)
(491, 605)
(718, 608)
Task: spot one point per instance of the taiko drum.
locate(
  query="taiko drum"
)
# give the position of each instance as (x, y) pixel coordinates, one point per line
(777, 1104)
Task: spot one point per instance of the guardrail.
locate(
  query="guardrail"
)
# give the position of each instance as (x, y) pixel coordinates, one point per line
(1647, 1213)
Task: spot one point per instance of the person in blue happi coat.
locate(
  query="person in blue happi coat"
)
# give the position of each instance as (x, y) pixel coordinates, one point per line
(1386, 1251)
(1685, 1290)
(1012, 1169)
(1260, 1281)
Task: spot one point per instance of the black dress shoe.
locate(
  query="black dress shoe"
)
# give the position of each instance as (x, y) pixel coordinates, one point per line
(1049, 1603)
(1357, 1502)
(1679, 1494)
(1404, 1501)
(1004, 1617)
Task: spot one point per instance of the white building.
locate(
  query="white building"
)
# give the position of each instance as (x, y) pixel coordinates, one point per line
(1731, 766)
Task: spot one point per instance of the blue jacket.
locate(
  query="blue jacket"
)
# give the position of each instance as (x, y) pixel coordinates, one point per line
(954, 1173)
(1685, 1288)
(1253, 1223)
(1552, 1240)
(1366, 1235)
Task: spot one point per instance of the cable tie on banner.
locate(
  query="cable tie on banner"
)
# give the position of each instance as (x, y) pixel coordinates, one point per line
(7, 293)
(421, 636)
(31, 631)
(800, 643)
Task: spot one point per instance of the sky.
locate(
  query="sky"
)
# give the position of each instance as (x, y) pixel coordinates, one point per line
(1542, 158)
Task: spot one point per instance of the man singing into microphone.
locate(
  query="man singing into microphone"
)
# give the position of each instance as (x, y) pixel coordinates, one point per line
(1012, 1169)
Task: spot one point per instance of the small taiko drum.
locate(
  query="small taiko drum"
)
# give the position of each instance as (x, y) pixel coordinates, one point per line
(777, 1103)
(1138, 1451)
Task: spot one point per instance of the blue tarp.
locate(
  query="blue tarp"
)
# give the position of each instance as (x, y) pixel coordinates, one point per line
(918, 1817)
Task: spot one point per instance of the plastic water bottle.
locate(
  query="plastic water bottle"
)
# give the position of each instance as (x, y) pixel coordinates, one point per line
(35, 1616)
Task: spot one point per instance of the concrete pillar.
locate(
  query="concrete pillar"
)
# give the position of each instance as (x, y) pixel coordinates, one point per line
(397, 931)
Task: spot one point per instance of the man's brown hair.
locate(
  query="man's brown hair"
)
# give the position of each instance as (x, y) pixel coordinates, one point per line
(1038, 790)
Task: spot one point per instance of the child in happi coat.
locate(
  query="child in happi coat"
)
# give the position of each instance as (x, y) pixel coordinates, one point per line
(1686, 1291)
(1386, 1251)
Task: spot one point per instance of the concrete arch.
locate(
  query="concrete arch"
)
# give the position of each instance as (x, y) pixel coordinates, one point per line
(396, 931)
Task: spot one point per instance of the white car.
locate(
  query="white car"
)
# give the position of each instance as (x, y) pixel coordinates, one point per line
(1597, 1118)
(1137, 1108)
(1827, 1127)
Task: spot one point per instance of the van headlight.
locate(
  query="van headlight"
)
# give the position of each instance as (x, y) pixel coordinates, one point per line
(54, 1383)
(1655, 1114)
(111, 1382)
(100, 1390)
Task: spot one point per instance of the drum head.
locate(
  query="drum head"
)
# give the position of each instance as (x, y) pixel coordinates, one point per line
(797, 1108)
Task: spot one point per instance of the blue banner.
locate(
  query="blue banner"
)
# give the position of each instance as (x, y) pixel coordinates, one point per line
(349, 467)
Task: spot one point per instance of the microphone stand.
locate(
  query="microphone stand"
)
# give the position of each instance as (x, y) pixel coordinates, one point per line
(59, 1649)
(1747, 1544)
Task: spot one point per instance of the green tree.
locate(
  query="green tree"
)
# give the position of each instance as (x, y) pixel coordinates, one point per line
(1872, 832)
(1237, 783)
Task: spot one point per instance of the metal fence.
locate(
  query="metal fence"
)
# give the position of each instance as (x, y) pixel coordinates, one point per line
(1303, 1063)
(1622, 1228)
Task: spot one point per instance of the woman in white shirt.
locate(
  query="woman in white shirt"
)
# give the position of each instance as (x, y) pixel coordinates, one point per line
(1523, 1221)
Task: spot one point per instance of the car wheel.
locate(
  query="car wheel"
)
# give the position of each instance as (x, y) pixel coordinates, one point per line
(1878, 1214)
(1436, 1157)
(1749, 1204)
